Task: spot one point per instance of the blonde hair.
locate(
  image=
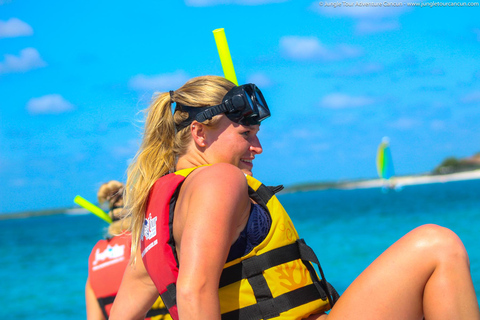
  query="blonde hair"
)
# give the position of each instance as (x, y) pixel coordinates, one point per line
(162, 145)
(112, 192)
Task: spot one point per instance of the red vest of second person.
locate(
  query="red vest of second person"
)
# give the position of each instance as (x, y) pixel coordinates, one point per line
(106, 265)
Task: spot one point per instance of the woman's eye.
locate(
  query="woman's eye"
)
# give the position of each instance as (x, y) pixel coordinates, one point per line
(246, 133)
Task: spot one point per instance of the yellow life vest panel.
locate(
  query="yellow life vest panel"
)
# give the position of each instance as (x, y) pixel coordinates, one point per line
(275, 280)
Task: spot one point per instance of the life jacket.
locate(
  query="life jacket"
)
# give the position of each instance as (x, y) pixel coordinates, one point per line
(276, 280)
(106, 265)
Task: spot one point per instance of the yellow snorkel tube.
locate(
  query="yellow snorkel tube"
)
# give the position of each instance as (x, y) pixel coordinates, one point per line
(229, 73)
(224, 53)
(92, 208)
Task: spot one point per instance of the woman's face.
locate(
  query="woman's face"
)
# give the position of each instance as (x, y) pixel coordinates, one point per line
(233, 143)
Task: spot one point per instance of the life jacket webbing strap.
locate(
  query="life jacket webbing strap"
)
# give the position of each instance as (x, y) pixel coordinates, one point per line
(257, 264)
(256, 197)
(263, 194)
(169, 297)
(105, 301)
(172, 204)
(156, 312)
(276, 189)
(263, 295)
(252, 269)
(308, 254)
(283, 302)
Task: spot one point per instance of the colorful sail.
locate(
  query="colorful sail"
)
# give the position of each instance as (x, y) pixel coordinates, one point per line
(384, 160)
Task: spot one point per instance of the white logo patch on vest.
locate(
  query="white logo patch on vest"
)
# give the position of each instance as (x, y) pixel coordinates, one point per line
(109, 256)
(149, 227)
(149, 231)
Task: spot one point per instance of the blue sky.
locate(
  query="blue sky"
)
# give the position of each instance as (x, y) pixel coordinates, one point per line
(75, 75)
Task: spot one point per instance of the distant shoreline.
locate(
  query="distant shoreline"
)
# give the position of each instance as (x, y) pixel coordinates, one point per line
(378, 183)
(39, 213)
(342, 185)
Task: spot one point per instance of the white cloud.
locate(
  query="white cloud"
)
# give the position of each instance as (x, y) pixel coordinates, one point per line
(370, 19)
(341, 101)
(300, 133)
(14, 28)
(206, 3)
(310, 48)
(472, 97)
(361, 70)
(28, 59)
(49, 104)
(376, 26)
(260, 79)
(405, 123)
(162, 82)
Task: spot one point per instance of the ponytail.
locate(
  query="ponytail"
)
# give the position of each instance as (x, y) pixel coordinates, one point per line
(161, 145)
(154, 159)
(112, 192)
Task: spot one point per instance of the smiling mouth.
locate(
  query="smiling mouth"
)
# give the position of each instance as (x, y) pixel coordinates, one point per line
(247, 161)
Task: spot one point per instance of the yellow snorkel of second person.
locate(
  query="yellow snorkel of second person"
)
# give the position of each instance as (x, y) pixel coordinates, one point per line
(92, 208)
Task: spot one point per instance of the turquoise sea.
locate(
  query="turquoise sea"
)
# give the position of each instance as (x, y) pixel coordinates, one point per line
(44, 259)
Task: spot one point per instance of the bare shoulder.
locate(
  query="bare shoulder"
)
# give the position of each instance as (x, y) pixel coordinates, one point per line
(218, 181)
(219, 175)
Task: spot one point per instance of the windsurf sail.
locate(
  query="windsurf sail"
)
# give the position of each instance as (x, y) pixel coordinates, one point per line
(384, 160)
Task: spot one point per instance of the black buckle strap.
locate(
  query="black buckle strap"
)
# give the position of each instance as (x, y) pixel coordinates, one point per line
(263, 194)
(104, 302)
(283, 303)
(169, 297)
(276, 189)
(308, 254)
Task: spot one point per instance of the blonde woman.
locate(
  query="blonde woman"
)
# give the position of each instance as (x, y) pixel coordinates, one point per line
(109, 258)
(217, 244)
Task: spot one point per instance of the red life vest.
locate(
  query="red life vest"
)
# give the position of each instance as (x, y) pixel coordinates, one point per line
(106, 265)
(264, 300)
(157, 240)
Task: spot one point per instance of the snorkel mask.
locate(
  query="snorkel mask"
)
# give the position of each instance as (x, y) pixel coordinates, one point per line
(244, 105)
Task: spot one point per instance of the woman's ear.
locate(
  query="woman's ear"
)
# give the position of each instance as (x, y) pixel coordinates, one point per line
(198, 133)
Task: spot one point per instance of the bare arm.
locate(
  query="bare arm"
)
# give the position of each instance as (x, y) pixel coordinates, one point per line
(137, 293)
(93, 308)
(215, 203)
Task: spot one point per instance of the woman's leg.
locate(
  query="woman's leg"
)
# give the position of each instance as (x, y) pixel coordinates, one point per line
(425, 273)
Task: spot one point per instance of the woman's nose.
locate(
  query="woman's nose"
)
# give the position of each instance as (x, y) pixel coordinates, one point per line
(256, 146)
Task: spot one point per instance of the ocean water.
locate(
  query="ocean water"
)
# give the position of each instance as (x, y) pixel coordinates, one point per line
(44, 259)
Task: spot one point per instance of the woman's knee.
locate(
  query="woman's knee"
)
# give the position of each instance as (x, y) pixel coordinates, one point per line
(440, 243)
